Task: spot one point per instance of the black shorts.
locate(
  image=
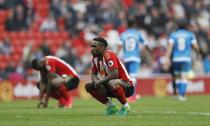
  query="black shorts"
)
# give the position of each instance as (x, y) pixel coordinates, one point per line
(128, 89)
(72, 83)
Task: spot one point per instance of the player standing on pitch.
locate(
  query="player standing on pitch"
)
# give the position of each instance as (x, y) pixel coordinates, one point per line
(179, 48)
(132, 43)
(109, 78)
(57, 78)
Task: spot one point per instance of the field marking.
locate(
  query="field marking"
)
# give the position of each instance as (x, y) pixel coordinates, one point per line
(19, 116)
(200, 113)
(175, 112)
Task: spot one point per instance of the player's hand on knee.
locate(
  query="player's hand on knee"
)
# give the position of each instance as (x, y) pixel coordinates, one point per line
(40, 105)
(45, 103)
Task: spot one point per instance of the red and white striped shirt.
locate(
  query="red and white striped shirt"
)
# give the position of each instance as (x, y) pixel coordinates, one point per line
(109, 62)
(58, 66)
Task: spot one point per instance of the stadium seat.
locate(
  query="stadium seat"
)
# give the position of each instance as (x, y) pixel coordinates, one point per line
(15, 58)
(54, 49)
(64, 35)
(3, 34)
(42, 10)
(2, 28)
(3, 65)
(6, 58)
(22, 35)
(14, 35)
(3, 15)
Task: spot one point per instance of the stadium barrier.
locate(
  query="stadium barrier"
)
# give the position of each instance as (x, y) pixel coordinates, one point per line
(159, 86)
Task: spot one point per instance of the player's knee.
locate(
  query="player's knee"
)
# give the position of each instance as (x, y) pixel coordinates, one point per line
(76, 83)
(73, 83)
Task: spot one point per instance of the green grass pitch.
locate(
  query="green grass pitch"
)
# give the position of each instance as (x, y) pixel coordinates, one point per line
(148, 111)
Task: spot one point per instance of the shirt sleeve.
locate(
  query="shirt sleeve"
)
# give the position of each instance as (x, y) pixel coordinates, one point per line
(50, 66)
(112, 63)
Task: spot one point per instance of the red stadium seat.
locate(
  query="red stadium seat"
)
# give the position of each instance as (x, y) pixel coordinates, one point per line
(42, 10)
(3, 15)
(64, 35)
(38, 35)
(2, 28)
(3, 65)
(6, 58)
(14, 35)
(16, 57)
(3, 34)
(47, 35)
(16, 42)
(18, 49)
(22, 35)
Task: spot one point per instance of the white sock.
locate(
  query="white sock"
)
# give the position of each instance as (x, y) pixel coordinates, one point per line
(126, 105)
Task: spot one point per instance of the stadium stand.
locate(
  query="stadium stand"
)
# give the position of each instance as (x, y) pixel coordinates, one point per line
(48, 24)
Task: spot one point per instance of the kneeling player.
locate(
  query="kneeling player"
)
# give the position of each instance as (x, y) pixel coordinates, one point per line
(57, 78)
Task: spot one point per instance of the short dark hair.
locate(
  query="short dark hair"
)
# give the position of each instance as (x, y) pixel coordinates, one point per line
(182, 23)
(35, 63)
(130, 22)
(101, 40)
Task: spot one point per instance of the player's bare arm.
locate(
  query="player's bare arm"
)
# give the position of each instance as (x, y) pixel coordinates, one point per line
(58, 80)
(145, 48)
(94, 77)
(42, 93)
(169, 50)
(42, 90)
(196, 48)
(50, 76)
(112, 75)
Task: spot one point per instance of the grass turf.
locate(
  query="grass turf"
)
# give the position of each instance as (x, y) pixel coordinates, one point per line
(148, 111)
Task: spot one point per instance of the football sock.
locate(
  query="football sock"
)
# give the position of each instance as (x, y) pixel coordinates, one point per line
(57, 95)
(54, 94)
(126, 105)
(63, 90)
(182, 89)
(182, 86)
(120, 95)
(99, 97)
(62, 101)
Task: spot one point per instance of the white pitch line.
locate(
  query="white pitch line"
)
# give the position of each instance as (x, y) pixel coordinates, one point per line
(19, 116)
(174, 112)
(200, 113)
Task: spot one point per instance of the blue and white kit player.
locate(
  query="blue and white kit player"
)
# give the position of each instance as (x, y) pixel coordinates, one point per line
(181, 43)
(131, 40)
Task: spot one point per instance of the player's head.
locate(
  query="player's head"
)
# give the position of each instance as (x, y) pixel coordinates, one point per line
(181, 23)
(130, 22)
(98, 46)
(37, 64)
